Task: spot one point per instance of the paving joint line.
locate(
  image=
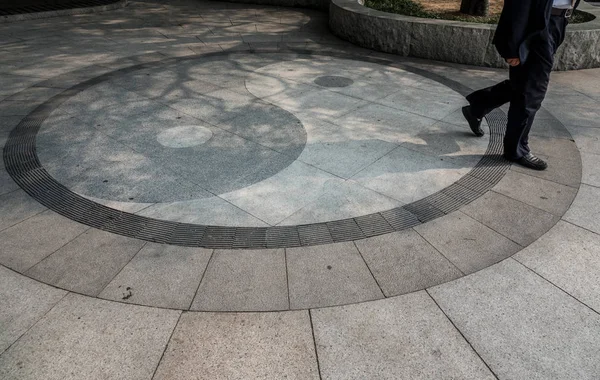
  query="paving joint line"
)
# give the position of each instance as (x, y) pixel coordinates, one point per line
(312, 329)
(370, 271)
(167, 345)
(461, 334)
(37, 321)
(439, 252)
(210, 259)
(121, 270)
(557, 287)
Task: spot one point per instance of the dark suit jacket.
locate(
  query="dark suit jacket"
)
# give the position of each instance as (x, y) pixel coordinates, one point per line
(521, 22)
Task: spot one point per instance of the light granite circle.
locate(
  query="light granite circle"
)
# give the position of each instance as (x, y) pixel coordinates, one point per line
(184, 137)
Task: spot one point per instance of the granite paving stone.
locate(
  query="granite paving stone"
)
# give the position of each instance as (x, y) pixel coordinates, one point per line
(585, 210)
(546, 195)
(32, 240)
(24, 302)
(404, 262)
(160, 276)
(272, 127)
(342, 200)
(587, 139)
(244, 280)
(7, 185)
(329, 275)
(516, 220)
(82, 337)
(576, 114)
(411, 99)
(88, 263)
(550, 128)
(210, 211)
(468, 244)
(420, 175)
(554, 147)
(521, 325)
(449, 141)
(344, 158)
(376, 121)
(405, 337)
(17, 206)
(241, 346)
(590, 165)
(569, 257)
(279, 196)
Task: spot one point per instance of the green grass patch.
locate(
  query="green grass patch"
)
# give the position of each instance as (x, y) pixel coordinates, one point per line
(415, 9)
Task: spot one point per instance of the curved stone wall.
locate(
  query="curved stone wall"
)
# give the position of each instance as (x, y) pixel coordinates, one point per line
(315, 4)
(451, 41)
(14, 10)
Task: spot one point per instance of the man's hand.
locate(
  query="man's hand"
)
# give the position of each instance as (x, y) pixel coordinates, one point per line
(513, 61)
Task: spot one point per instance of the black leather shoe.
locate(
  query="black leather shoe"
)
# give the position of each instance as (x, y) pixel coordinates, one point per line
(474, 122)
(532, 162)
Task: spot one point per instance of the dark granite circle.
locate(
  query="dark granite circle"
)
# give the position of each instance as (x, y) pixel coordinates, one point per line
(333, 81)
(131, 163)
(23, 165)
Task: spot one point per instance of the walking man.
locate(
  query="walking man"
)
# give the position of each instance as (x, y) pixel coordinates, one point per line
(529, 33)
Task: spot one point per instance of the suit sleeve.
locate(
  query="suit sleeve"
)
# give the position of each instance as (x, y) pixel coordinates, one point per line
(512, 27)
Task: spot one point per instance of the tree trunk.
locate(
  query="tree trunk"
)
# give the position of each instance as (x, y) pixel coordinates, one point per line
(475, 7)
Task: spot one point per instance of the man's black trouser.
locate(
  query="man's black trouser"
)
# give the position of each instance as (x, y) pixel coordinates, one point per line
(525, 90)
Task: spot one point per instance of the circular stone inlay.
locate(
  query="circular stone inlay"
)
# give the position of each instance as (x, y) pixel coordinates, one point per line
(333, 81)
(185, 136)
(357, 150)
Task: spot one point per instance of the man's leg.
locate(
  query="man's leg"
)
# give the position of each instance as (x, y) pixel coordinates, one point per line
(529, 83)
(483, 101)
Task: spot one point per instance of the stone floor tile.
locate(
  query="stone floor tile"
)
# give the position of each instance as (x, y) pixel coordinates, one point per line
(587, 139)
(585, 210)
(241, 346)
(405, 337)
(449, 141)
(569, 257)
(403, 262)
(545, 195)
(342, 200)
(32, 240)
(344, 158)
(575, 114)
(554, 147)
(376, 121)
(521, 325)
(17, 206)
(212, 211)
(410, 99)
(468, 244)
(328, 275)
(244, 280)
(519, 222)
(407, 176)
(88, 263)
(24, 301)
(7, 184)
(590, 164)
(281, 195)
(550, 128)
(86, 338)
(161, 276)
